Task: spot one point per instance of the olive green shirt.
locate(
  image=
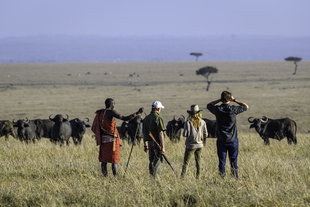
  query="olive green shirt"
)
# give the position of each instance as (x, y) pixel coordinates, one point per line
(153, 123)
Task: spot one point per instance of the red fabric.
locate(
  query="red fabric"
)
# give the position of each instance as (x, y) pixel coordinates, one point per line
(107, 126)
(101, 123)
(106, 153)
(96, 126)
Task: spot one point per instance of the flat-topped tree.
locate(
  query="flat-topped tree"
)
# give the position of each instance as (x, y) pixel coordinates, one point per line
(196, 54)
(206, 72)
(295, 60)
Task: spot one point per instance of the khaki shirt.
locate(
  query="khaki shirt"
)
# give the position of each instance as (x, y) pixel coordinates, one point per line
(153, 123)
(194, 137)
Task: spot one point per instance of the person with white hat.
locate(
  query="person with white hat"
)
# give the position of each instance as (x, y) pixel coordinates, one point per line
(154, 128)
(195, 131)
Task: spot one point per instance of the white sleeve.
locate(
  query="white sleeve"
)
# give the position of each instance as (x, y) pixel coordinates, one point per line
(205, 131)
(185, 131)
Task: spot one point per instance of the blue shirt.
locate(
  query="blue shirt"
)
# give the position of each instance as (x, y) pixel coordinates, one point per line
(226, 122)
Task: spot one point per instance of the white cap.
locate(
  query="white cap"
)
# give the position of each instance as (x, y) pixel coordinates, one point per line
(157, 105)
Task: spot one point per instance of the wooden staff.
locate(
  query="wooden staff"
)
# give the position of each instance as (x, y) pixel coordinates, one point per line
(131, 149)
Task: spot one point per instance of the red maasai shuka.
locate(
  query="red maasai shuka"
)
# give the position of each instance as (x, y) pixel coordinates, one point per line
(101, 123)
(106, 153)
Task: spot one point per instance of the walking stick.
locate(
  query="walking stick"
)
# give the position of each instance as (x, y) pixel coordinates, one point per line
(151, 135)
(128, 160)
(131, 149)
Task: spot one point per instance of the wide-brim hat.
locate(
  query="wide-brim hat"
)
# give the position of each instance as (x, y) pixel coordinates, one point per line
(194, 109)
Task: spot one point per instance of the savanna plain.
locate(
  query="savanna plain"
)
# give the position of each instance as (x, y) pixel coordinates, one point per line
(44, 174)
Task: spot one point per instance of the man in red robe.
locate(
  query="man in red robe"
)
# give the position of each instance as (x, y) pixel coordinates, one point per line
(107, 136)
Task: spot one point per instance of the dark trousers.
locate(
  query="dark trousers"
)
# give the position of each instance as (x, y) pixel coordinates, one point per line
(155, 159)
(232, 148)
(187, 156)
(105, 170)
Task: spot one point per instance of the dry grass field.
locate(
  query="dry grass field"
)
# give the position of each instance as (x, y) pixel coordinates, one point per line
(44, 174)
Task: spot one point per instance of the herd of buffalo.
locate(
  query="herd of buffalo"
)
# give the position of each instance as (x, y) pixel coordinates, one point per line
(265, 127)
(59, 129)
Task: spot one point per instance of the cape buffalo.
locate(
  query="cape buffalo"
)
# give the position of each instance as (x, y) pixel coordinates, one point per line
(211, 127)
(26, 130)
(78, 129)
(132, 130)
(275, 128)
(122, 130)
(174, 128)
(6, 129)
(135, 129)
(43, 127)
(61, 130)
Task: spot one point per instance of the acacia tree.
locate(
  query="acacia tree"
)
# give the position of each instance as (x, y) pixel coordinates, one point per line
(206, 72)
(196, 54)
(295, 60)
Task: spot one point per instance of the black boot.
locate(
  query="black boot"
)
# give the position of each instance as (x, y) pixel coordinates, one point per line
(114, 169)
(104, 169)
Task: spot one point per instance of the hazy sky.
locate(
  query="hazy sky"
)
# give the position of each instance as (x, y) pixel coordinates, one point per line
(157, 17)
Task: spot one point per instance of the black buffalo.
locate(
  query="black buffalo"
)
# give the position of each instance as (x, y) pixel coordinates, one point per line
(211, 127)
(43, 127)
(122, 130)
(61, 130)
(135, 129)
(6, 129)
(174, 128)
(78, 129)
(26, 130)
(132, 130)
(275, 128)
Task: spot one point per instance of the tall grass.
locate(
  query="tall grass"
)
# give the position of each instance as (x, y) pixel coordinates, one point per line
(44, 174)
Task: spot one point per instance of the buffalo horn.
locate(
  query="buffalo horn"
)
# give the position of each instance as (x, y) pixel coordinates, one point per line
(87, 119)
(251, 119)
(50, 117)
(264, 119)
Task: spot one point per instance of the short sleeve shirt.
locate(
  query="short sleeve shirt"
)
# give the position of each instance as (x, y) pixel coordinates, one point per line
(153, 123)
(225, 114)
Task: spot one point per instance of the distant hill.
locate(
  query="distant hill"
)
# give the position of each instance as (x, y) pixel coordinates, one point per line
(66, 48)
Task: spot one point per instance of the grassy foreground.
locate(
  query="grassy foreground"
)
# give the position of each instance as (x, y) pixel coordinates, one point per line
(43, 174)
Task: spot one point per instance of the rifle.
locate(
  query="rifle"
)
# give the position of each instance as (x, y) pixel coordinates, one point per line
(151, 135)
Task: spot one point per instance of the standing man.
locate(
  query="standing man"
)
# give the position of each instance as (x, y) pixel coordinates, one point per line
(226, 132)
(106, 133)
(154, 124)
(195, 131)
